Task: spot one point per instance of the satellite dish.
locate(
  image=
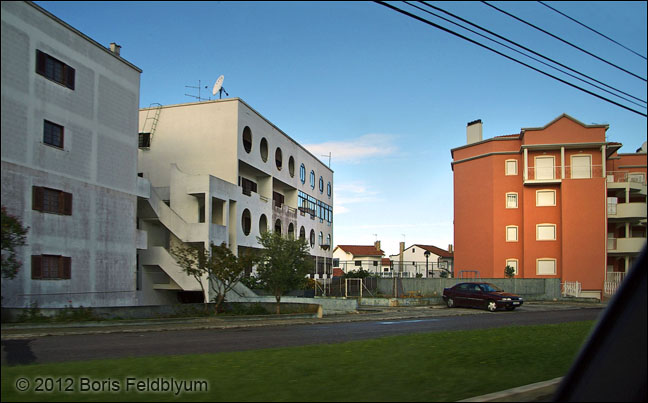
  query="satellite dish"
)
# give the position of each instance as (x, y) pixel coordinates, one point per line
(218, 85)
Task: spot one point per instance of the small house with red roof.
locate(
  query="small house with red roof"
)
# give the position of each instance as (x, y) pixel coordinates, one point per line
(356, 257)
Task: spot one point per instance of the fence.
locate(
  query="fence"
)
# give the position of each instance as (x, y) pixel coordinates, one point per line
(408, 269)
(571, 289)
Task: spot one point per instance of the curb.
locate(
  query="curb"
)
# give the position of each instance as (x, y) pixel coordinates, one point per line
(535, 392)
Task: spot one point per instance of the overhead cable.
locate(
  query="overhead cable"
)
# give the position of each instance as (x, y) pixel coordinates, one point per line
(564, 41)
(416, 17)
(592, 29)
(529, 50)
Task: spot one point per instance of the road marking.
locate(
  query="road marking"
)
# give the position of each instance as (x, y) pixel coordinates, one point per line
(408, 321)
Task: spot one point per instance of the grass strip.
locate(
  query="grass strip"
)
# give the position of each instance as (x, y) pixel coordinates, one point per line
(440, 366)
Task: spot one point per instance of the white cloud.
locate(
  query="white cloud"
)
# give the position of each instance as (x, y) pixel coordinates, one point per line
(354, 150)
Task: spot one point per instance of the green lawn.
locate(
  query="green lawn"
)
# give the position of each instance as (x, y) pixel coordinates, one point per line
(445, 366)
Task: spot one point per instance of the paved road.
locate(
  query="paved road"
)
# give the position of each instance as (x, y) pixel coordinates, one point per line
(133, 344)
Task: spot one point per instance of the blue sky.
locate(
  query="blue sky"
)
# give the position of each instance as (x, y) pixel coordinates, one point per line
(386, 95)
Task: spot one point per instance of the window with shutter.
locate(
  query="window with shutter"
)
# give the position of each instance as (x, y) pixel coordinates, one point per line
(51, 201)
(51, 267)
(55, 70)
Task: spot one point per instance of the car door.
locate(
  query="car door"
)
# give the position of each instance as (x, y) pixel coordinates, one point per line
(461, 295)
(475, 298)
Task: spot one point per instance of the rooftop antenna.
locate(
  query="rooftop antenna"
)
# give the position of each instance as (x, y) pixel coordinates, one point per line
(329, 157)
(218, 87)
(198, 87)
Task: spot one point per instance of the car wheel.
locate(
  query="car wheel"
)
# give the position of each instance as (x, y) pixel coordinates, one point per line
(450, 303)
(491, 306)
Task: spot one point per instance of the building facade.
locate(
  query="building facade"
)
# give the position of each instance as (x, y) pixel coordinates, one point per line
(69, 162)
(220, 172)
(423, 260)
(538, 201)
(359, 257)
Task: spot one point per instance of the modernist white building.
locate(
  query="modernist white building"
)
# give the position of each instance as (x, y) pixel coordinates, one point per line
(69, 162)
(220, 172)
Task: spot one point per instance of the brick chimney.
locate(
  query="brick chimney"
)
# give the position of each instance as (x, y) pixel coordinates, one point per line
(450, 248)
(377, 245)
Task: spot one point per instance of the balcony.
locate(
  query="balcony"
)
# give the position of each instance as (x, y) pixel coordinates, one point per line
(625, 245)
(626, 211)
(634, 182)
(556, 173)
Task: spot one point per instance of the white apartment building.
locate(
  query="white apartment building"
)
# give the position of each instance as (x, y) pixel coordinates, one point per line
(69, 162)
(221, 172)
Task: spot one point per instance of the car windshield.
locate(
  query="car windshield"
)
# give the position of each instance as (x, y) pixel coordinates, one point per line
(490, 288)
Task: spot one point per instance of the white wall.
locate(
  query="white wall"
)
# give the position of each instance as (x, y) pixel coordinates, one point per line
(97, 164)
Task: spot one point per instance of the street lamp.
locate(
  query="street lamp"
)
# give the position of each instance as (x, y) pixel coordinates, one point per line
(427, 255)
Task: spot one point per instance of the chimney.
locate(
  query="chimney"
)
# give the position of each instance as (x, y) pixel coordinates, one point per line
(377, 245)
(450, 248)
(115, 48)
(474, 131)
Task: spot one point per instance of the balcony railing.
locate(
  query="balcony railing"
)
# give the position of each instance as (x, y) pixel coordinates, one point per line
(624, 177)
(625, 245)
(555, 173)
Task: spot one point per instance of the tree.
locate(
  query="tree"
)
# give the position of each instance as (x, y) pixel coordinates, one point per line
(13, 236)
(283, 265)
(509, 271)
(218, 266)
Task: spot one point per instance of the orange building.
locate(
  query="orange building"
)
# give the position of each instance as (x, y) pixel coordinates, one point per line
(542, 200)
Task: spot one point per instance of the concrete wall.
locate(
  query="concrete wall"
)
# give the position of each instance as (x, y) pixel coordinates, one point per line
(534, 289)
(97, 163)
(10, 315)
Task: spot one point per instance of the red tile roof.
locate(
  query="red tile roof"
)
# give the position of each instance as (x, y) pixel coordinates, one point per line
(361, 250)
(436, 251)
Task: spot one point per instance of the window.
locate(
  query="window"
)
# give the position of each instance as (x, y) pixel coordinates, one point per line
(247, 139)
(302, 233)
(144, 140)
(328, 189)
(291, 166)
(278, 158)
(52, 134)
(51, 201)
(546, 232)
(358, 263)
(302, 173)
(545, 198)
(50, 267)
(511, 167)
(312, 238)
(263, 149)
(321, 238)
(581, 166)
(511, 233)
(54, 69)
(514, 264)
(328, 239)
(545, 267)
(248, 186)
(511, 200)
(246, 222)
(312, 179)
(544, 168)
(321, 185)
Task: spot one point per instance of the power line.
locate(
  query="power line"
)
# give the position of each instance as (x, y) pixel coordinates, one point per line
(506, 56)
(529, 50)
(592, 29)
(564, 41)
